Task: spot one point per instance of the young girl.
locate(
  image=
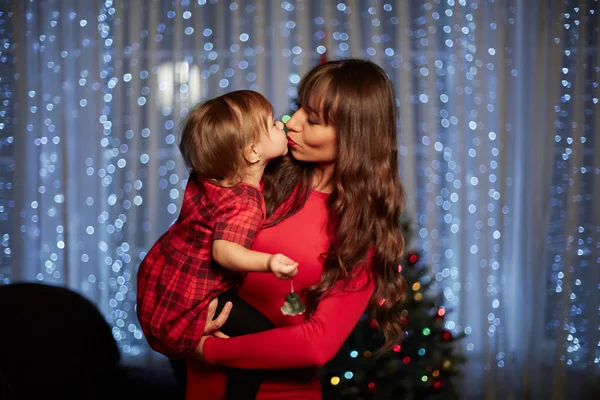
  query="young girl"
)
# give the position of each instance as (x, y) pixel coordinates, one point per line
(226, 142)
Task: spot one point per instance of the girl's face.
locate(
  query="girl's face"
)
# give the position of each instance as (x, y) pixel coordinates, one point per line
(310, 139)
(274, 143)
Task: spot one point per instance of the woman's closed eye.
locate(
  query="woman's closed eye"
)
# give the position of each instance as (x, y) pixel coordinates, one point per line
(312, 118)
(309, 118)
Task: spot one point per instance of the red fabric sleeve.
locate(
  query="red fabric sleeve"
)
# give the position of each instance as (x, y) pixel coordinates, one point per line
(239, 221)
(310, 344)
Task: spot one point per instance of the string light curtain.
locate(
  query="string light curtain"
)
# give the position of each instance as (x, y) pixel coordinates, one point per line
(499, 122)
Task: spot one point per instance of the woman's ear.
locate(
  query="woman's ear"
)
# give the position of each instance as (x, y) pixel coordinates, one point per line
(251, 154)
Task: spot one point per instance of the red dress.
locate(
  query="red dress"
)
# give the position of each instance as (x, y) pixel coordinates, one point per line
(178, 277)
(301, 342)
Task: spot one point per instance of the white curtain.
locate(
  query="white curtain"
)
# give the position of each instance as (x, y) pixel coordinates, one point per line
(500, 152)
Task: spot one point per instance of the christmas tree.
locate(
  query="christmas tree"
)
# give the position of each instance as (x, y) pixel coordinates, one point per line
(421, 367)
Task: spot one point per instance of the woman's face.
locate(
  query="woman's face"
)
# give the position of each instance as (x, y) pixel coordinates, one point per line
(310, 139)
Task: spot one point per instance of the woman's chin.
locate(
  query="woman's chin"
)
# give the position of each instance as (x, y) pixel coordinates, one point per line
(295, 154)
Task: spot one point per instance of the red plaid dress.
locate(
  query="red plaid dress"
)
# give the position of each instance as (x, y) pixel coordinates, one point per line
(178, 277)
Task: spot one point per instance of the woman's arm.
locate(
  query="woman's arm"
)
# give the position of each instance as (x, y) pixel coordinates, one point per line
(312, 343)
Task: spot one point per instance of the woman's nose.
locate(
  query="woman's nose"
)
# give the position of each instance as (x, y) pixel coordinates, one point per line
(294, 122)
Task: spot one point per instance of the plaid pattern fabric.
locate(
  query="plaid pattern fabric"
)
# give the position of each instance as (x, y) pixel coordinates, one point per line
(178, 278)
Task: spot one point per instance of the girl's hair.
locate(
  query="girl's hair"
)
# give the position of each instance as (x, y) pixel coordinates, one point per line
(357, 99)
(216, 133)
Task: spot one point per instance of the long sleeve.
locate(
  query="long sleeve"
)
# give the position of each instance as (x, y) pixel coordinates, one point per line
(312, 343)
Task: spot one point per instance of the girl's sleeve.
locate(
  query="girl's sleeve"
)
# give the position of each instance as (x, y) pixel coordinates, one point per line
(312, 343)
(239, 221)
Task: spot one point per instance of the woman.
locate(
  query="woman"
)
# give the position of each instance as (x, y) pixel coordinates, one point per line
(334, 207)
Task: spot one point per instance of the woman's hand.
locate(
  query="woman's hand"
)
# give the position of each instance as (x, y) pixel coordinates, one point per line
(212, 326)
(199, 352)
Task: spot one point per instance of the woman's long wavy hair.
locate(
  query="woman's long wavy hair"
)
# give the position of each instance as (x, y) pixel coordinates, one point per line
(357, 99)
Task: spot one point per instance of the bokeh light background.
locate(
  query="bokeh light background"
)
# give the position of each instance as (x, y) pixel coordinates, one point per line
(500, 154)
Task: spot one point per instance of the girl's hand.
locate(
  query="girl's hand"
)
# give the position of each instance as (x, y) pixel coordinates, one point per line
(282, 267)
(212, 326)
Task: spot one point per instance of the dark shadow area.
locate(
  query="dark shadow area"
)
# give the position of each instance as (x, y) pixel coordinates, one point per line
(55, 344)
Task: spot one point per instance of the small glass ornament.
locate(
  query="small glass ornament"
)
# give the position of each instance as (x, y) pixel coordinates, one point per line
(293, 304)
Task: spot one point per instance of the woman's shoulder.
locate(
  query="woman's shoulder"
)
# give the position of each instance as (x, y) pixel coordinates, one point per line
(315, 207)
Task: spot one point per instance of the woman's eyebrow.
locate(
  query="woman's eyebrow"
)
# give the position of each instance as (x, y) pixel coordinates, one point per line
(309, 109)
